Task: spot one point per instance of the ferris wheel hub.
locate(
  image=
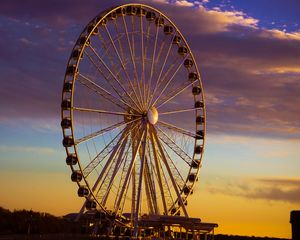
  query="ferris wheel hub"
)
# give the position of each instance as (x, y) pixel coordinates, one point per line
(152, 115)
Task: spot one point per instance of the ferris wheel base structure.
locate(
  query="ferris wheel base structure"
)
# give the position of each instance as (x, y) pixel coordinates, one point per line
(150, 227)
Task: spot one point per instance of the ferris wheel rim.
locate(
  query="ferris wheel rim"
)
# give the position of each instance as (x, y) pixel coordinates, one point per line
(103, 16)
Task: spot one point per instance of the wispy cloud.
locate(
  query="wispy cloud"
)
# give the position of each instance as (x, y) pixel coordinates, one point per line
(276, 189)
(269, 189)
(184, 3)
(27, 149)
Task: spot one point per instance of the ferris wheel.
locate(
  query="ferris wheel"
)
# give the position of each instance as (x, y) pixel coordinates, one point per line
(133, 115)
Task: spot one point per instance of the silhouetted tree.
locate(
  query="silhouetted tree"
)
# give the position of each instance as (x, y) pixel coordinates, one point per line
(30, 222)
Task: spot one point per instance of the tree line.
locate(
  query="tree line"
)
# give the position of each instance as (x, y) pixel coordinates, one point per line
(30, 222)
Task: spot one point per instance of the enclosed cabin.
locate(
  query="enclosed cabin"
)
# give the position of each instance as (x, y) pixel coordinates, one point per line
(90, 205)
(76, 176)
(192, 177)
(198, 149)
(83, 191)
(168, 29)
(196, 163)
(66, 123)
(68, 141)
(182, 51)
(71, 159)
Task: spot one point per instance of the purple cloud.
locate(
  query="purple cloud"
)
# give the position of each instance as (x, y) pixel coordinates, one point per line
(251, 75)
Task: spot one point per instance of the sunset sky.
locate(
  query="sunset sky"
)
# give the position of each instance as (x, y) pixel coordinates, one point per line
(248, 54)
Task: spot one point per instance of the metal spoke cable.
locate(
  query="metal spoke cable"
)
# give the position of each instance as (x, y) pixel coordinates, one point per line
(142, 78)
(176, 129)
(102, 73)
(174, 147)
(181, 110)
(114, 77)
(144, 144)
(170, 79)
(170, 173)
(103, 154)
(172, 94)
(122, 64)
(104, 45)
(152, 63)
(101, 91)
(161, 69)
(126, 181)
(109, 161)
(105, 186)
(103, 131)
(131, 54)
(119, 161)
(105, 112)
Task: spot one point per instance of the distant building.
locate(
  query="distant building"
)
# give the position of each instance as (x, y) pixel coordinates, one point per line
(295, 221)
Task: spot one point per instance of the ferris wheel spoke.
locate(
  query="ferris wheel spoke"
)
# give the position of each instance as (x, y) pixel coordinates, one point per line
(177, 129)
(103, 131)
(114, 77)
(162, 68)
(110, 177)
(174, 147)
(119, 42)
(148, 190)
(104, 45)
(85, 81)
(129, 171)
(148, 184)
(150, 174)
(144, 143)
(103, 92)
(123, 172)
(122, 64)
(168, 193)
(160, 82)
(100, 71)
(142, 78)
(110, 159)
(132, 56)
(138, 81)
(102, 154)
(104, 112)
(111, 174)
(99, 158)
(133, 47)
(158, 171)
(135, 135)
(170, 79)
(161, 48)
(166, 186)
(170, 173)
(145, 52)
(181, 110)
(175, 172)
(119, 169)
(172, 94)
(138, 200)
(147, 96)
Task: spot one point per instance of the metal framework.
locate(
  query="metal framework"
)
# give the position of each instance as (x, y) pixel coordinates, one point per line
(133, 117)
